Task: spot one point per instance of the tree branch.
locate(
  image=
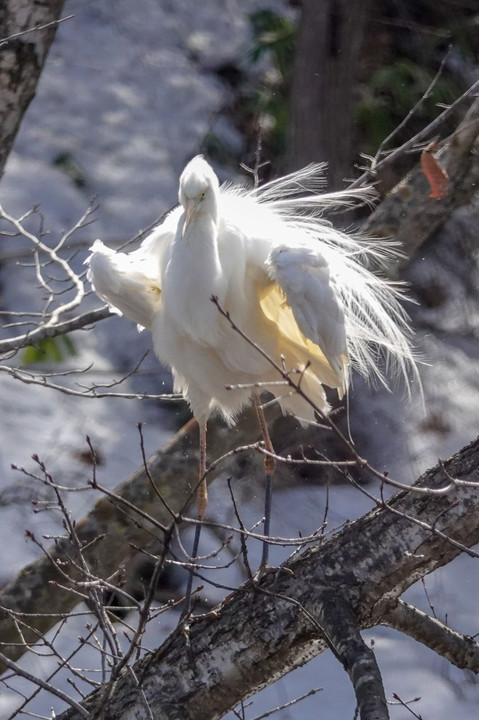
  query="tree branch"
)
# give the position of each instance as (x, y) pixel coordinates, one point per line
(461, 650)
(135, 518)
(343, 637)
(408, 215)
(50, 331)
(254, 639)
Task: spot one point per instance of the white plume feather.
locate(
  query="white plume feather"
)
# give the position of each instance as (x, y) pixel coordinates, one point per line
(378, 329)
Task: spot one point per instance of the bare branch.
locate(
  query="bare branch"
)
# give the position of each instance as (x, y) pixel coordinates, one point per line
(408, 215)
(43, 379)
(461, 650)
(338, 620)
(287, 376)
(53, 23)
(243, 629)
(21, 672)
(426, 132)
(120, 524)
(54, 257)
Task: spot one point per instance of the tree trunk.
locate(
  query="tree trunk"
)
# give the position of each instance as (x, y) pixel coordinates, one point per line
(22, 56)
(322, 90)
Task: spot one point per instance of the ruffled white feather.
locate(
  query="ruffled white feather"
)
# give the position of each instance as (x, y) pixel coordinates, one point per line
(378, 329)
(296, 286)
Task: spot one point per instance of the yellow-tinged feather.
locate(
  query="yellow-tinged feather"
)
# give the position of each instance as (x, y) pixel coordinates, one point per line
(293, 344)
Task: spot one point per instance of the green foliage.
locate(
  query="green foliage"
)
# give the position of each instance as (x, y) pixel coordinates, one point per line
(263, 109)
(49, 350)
(274, 34)
(390, 94)
(266, 108)
(65, 162)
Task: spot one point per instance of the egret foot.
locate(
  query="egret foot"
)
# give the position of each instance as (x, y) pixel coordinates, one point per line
(201, 503)
(186, 612)
(269, 468)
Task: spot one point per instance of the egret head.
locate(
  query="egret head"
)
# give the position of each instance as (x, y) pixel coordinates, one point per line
(198, 190)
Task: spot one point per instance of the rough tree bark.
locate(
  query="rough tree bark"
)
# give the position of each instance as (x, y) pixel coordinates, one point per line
(322, 89)
(263, 631)
(22, 56)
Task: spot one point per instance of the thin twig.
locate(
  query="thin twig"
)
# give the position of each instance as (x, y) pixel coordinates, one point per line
(365, 177)
(21, 672)
(5, 41)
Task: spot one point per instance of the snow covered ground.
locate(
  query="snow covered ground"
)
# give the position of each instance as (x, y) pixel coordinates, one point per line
(128, 94)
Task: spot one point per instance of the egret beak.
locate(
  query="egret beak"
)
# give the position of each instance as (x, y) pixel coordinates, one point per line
(191, 206)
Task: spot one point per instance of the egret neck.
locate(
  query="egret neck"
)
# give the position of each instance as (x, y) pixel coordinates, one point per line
(194, 272)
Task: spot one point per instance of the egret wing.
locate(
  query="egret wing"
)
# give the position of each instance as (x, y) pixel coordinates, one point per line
(125, 282)
(302, 273)
(131, 282)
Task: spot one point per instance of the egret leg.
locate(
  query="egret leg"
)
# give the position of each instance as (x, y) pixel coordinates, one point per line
(201, 503)
(269, 468)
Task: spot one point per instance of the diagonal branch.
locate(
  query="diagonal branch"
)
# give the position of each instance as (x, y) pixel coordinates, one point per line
(49, 331)
(253, 639)
(461, 650)
(408, 215)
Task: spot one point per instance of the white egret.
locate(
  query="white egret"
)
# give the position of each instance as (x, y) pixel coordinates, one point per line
(296, 287)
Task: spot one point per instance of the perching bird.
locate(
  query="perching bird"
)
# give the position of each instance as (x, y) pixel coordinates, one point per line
(294, 285)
